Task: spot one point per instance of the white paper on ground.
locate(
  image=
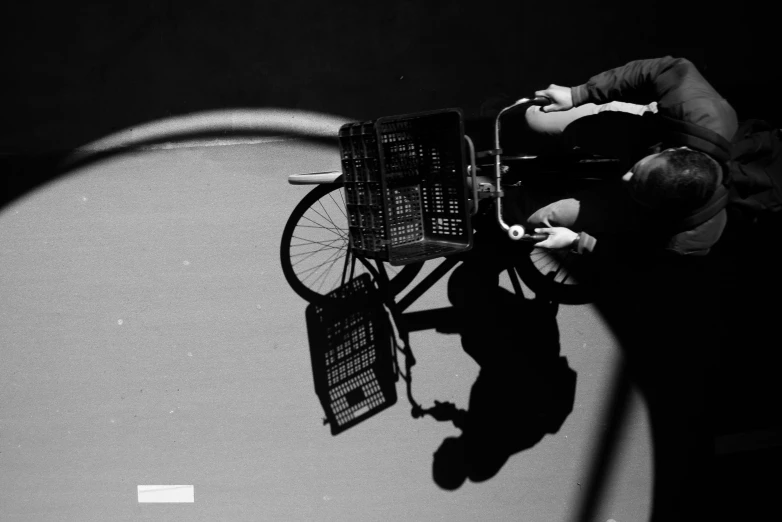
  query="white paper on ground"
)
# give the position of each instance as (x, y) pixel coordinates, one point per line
(161, 493)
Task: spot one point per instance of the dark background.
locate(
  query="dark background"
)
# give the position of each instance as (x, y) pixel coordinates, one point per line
(74, 72)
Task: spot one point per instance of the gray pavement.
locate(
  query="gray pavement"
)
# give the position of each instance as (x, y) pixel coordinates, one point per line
(149, 337)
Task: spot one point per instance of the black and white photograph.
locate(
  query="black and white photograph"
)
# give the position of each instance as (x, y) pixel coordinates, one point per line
(406, 261)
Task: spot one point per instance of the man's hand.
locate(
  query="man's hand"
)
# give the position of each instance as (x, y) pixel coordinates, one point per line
(558, 237)
(561, 98)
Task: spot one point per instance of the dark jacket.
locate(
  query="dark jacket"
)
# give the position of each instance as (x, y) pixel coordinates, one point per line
(681, 93)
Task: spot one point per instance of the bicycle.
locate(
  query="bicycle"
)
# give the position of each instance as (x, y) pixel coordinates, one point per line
(362, 235)
(323, 245)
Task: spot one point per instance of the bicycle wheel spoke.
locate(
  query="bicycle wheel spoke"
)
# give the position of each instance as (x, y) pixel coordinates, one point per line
(539, 253)
(317, 255)
(326, 218)
(309, 254)
(339, 207)
(298, 262)
(329, 218)
(550, 262)
(321, 227)
(330, 261)
(342, 197)
(556, 259)
(570, 268)
(340, 231)
(324, 275)
(338, 254)
(309, 242)
(560, 270)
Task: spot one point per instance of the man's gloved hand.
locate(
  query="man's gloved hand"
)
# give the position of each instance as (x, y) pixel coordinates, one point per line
(561, 98)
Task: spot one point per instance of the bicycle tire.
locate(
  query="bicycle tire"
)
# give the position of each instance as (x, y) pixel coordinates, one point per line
(561, 276)
(316, 233)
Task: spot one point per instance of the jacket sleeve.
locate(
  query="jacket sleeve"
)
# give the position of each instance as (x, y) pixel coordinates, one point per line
(662, 80)
(677, 86)
(586, 243)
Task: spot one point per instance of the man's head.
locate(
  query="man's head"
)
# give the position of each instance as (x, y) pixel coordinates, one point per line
(676, 180)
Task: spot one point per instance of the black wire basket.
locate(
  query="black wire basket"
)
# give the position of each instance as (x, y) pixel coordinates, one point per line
(404, 182)
(353, 355)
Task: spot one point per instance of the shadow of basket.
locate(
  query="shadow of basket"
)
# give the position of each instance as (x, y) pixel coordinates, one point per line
(353, 355)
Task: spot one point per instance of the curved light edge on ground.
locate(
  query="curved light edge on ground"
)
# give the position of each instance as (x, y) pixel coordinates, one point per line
(239, 120)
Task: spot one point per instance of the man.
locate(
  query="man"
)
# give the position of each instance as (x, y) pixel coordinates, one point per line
(671, 200)
(678, 176)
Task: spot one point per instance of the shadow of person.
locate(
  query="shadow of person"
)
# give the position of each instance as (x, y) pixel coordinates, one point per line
(524, 389)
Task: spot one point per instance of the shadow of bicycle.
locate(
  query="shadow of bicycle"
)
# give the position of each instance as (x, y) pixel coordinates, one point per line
(524, 389)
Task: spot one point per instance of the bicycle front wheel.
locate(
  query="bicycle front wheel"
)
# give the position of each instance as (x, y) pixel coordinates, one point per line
(314, 250)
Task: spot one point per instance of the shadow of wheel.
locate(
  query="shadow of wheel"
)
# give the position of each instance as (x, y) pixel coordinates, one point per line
(559, 275)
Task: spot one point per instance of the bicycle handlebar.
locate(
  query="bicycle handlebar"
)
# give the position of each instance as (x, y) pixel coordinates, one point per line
(518, 233)
(540, 101)
(515, 232)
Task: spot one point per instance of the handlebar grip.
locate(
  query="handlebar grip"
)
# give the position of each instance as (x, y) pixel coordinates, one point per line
(541, 101)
